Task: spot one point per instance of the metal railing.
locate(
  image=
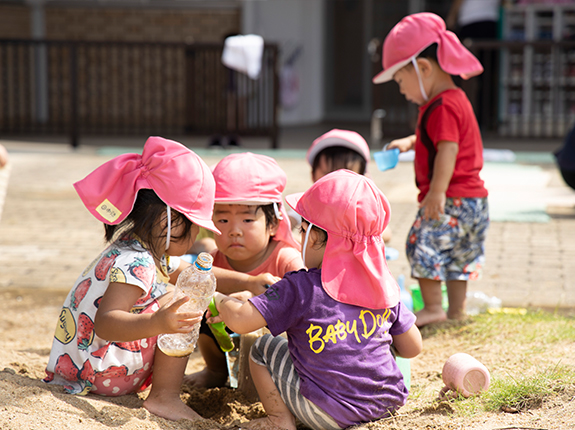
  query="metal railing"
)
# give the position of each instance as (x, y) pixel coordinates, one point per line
(121, 88)
(527, 88)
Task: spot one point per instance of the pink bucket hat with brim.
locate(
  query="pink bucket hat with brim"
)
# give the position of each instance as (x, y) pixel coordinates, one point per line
(177, 175)
(416, 32)
(354, 213)
(253, 179)
(346, 138)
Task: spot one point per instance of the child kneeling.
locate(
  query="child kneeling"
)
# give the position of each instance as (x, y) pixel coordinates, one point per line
(341, 316)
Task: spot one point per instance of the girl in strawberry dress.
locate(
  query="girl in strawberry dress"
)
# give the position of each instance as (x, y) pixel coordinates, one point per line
(152, 206)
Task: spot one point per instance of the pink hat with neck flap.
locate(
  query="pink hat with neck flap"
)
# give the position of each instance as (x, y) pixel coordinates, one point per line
(354, 213)
(254, 179)
(177, 175)
(416, 32)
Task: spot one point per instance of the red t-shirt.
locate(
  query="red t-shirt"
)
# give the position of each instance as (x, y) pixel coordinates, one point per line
(449, 117)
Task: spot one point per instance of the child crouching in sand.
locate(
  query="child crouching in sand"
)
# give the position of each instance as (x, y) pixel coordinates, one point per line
(256, 239)
(341, 316)
(152, 206)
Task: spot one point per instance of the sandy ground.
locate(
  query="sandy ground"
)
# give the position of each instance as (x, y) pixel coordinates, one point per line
(27, 320)
(47, 237)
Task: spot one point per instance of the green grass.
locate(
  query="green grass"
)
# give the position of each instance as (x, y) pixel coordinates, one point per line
(526, 392)
(525, 335)
(538, 327)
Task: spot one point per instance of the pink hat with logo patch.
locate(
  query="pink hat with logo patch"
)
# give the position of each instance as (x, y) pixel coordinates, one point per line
(253, 179)
(416, 32)
(346, 138)
(177, 175)
(354, 213)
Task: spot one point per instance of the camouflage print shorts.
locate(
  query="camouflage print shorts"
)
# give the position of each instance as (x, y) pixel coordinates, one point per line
(451, 248)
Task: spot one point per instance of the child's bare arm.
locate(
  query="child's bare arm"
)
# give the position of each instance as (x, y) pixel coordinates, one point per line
(404, 144)
(115, 322)
(434, 200)
(230, 281)
(241, 317)
(408, 344)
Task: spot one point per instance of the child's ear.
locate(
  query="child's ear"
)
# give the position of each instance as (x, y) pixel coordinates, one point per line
(315, 239)
(425, 66)
(274, 228)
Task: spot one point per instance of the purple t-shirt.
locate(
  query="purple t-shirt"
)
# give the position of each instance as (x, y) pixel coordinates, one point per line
(341, 352)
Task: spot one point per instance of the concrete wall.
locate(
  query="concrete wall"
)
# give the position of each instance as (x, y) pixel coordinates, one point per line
(292, 24)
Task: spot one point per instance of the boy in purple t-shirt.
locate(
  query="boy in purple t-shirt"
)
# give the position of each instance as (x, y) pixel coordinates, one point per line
(341, 316)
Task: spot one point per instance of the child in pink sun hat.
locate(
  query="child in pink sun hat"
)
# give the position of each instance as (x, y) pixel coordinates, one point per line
(446, 241)
(256, 238)
(152, 206)
(338, 149)
(341, 315)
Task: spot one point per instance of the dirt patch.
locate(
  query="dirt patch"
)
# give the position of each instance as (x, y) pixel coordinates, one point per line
(28, 318)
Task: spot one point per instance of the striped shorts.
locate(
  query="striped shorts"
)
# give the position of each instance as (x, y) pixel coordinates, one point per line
(272, 352)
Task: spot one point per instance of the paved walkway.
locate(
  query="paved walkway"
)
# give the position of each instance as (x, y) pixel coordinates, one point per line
(47, 236)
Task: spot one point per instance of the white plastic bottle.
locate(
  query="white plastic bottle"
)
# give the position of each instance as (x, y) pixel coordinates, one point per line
(199, 284)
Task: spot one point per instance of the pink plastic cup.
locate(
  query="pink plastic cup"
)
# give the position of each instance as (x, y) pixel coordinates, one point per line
(465, 375)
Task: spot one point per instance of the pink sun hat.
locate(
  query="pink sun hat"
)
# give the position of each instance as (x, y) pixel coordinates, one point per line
(354, 213)
(253, 179)
(177, 175)
(346, 138)
(416, 32)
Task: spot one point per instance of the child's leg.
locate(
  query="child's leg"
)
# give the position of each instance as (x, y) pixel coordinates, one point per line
(457, 294)
(278, 385)
(432, 311)
(164, 398)
(279, 416)
(215, 374)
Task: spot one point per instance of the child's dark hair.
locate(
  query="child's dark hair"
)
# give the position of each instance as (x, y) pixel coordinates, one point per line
(148, 208)
(430, 53)
(270, 214)
(322, 233)
(340, 157)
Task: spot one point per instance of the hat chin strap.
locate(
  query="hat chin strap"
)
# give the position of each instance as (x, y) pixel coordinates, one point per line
(303, 248)
(277, 212)
(423, 93)
(169, 215)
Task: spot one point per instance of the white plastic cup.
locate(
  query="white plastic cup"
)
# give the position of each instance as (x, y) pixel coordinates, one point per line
(465, 375)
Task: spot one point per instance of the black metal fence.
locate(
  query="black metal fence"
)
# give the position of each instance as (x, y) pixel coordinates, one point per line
(527, 88)
(114, 88)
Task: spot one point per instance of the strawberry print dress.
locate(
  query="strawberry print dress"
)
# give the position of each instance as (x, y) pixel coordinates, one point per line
(80, 360)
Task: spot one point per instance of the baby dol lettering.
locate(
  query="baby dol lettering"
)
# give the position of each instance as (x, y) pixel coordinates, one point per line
(363, 327)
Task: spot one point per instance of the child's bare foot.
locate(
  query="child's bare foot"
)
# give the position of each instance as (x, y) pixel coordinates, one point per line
(267, 424)
(206, 378)
(429, 316)
(456, 315)
(170, 407)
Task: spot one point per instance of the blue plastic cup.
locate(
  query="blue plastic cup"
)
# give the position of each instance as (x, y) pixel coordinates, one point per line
(386, 158)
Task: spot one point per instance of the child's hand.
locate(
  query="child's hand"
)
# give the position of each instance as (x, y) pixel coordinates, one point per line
(260, 283)
(170, 320)
(242, 296)
(434, 205)
(404, 144)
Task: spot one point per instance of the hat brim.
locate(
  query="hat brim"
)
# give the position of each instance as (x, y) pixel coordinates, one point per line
(205, 223)
(232, 201)
(329, 142)
(292, 200)
(387, 74)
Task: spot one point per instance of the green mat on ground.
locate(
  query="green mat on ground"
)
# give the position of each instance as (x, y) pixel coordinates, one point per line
(516, 192)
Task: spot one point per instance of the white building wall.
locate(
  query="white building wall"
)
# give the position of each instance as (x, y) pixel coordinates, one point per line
(292, 24)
